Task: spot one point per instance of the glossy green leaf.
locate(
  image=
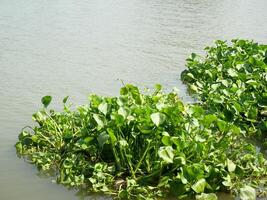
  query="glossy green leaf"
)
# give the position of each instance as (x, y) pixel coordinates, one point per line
(222, 125)
(103, 107)
(158, 118)
(166, 154)
(46, 100)
(112, 135)
(99, 120)
(199, 186)
(208, 119)
(65, 99)
(231, 165)
(124, 112)
(232, 72)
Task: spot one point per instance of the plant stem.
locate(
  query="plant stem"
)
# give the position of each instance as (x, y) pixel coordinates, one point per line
(141, 160)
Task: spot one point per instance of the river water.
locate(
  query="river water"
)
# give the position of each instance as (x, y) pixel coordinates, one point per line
(70, 47)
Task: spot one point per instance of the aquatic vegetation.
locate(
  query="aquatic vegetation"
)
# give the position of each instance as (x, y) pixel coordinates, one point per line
(144, 146)
(232, 80)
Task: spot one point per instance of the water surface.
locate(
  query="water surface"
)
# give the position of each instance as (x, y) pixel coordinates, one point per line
(70, 47)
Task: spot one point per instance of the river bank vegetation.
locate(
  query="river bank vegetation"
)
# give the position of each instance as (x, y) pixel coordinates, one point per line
(151, 145)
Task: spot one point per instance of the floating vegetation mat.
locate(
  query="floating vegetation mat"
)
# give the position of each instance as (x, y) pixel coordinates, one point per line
(232, 80)
(152, 145)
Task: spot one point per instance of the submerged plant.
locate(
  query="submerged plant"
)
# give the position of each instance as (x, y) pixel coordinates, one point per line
(144, 146)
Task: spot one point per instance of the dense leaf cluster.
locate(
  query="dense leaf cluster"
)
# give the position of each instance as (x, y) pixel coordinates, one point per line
(144, 146)
(232, 80)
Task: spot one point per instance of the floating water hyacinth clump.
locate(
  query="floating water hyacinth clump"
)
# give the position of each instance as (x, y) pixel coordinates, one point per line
(232, 80)
(151, 145)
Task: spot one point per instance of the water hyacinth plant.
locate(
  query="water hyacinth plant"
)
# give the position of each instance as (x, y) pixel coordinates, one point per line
(232, 80)
(150, 146)
(144, 146)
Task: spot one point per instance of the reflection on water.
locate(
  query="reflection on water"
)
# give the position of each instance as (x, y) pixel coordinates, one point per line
(78, 47)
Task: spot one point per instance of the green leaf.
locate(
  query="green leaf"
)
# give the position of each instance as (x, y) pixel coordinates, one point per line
(123, 143)
(228, 181)
(237, 107)
(99, 120)
(208, 119)
(193, 172)
(123, 112)
(251, 60)
(46, 100)
(208, 73)
(102, 139)
(65, 99)
(158, 118)
(163, 181)
(158, 88)
(194, 88)
(252, 113)
(252, 82)
(222, 125)
(166, 154)
(166, 139)
(247, 193)
(231, 165)
(34, 138)
(112, 136)
(232, 72)
(19, 147)
(88, 139)
(199, 186)
(218, 99)
(225, 83)
(103, 107)
(190, 75)
(210, 196)
(180, 160)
